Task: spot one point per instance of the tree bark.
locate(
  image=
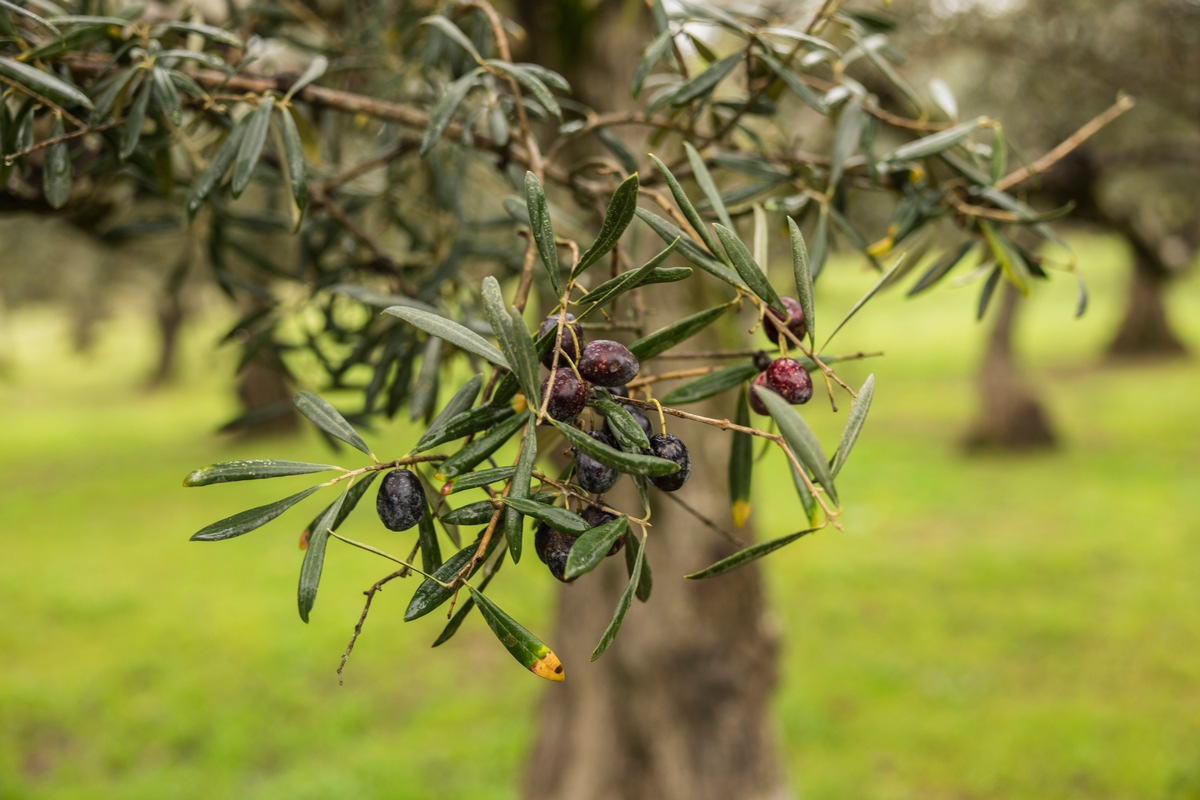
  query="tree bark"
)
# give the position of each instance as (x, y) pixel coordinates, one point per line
(1010, 416)
(679, 705)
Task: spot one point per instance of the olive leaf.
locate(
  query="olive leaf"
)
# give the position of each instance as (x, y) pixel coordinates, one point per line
(543, 230)
(526, 648)
(804, 277)
(663, 340)
(251, 470)
(327, 418)
(257, 123)
(462, 424)
(250, 519)
(314, 557)
(739, 255)
(799, 438)
(621, 208)
(472, 454)
(748, 554)
(631, 463)
(593, 546)
(741, 464)
(454, 333)
(518, 489)
(711, 384)
(557, 518)
(624, 602)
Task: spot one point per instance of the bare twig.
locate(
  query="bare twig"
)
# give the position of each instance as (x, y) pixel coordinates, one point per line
(1064, 148)
(531, 146)
(362, 618)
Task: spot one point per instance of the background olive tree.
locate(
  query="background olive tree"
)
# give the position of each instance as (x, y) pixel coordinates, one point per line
(1062, 62)
(320, 166)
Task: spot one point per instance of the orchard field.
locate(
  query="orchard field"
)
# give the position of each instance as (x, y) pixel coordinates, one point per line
(985, 627)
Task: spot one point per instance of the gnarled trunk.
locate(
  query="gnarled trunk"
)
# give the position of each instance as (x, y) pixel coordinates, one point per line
(1010, 416)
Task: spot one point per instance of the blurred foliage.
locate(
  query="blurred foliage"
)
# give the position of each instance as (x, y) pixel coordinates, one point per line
(1063, 62)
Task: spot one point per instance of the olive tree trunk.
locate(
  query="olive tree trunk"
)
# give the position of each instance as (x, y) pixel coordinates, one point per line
(1010, 416)
(679, 705)
(678, 708)
(1145, 330)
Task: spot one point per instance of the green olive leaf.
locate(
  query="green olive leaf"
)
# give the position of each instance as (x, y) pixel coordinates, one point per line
(246, 521)
(251, 470)
(624, 602)
(593, 546)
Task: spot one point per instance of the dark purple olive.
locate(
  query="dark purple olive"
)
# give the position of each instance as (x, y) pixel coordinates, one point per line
(670, 447)
(568, 394)
(794, 321)
(401, 500)
(760, 380)
(570, 342)
(592, 475)
(608, 363)
(790, 380)
(596, 516)
(553, 547)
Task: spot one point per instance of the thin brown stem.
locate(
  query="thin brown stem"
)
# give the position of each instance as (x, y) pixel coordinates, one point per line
(1064, 148)
(705, 521)
(67, 115)
(727, 425)
(405, 146)
(696, 372)
(362, 618)
(66, 137)
(502, 50)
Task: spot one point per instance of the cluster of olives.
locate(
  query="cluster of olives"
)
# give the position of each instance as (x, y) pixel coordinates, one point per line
(787, 377)
(607, 365)
(600, 363)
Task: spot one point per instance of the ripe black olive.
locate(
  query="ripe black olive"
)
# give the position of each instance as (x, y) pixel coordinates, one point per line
(401, 500)
(670, 447)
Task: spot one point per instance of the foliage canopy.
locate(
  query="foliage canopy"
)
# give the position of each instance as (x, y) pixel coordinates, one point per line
(319, 197)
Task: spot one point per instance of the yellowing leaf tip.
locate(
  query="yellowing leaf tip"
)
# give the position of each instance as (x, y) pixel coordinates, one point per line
(549, 667)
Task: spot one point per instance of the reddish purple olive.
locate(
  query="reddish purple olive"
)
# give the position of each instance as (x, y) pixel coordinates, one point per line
(401, 500)
(790, 380)
(759, 407)
(592, 475)
(553, 548)
(672, 448)
(570, 342)
(794, 321)
(608, 363)
(568, 395)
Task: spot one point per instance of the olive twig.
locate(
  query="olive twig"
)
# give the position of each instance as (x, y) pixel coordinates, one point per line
(381, 465)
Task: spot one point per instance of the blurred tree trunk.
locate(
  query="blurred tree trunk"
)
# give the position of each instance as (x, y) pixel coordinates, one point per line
(679, 706)
(1010, 416)
(168, 317)
(1145, 330)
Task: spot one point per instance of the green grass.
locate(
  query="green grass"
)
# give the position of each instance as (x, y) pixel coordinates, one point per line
(993, 627)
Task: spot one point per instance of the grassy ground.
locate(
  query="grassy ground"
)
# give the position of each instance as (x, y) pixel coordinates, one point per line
(988, 628)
